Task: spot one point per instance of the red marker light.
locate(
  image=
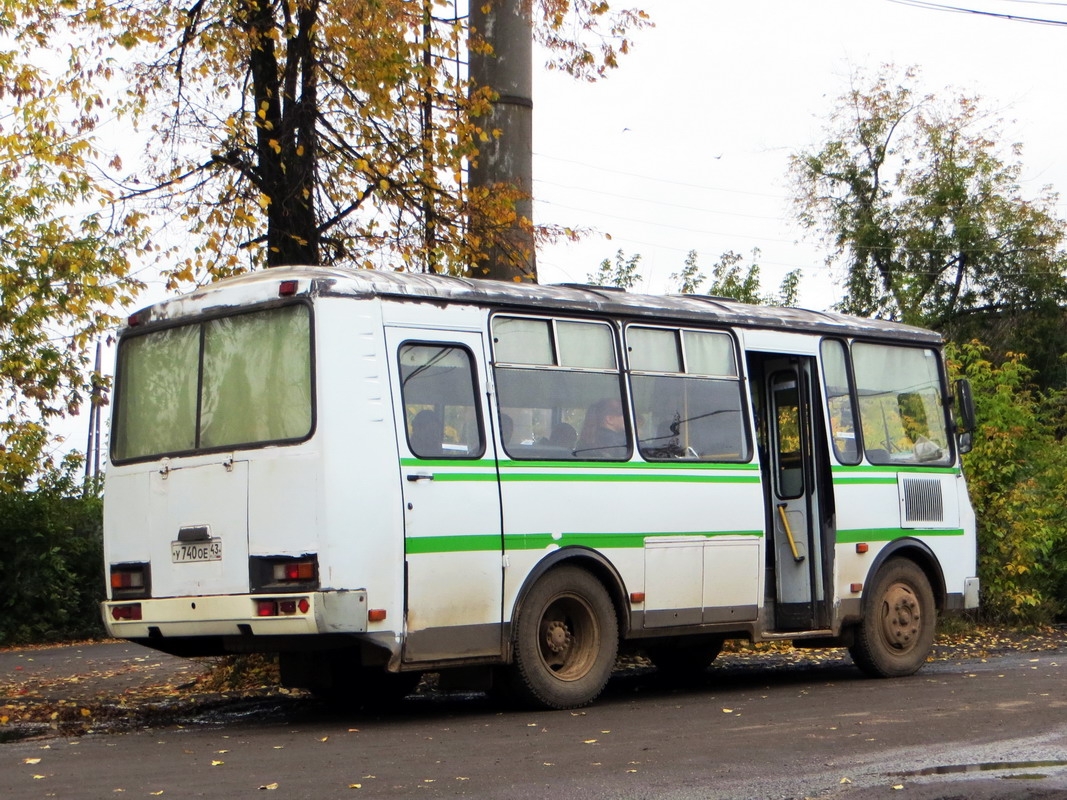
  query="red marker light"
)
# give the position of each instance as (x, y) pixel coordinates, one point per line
(287, 288)
(130, 612)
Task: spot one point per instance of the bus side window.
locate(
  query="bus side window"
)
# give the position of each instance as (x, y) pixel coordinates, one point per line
(902, 409)
(558, 383)
(687, 395)
(440, 401)
(839, 402)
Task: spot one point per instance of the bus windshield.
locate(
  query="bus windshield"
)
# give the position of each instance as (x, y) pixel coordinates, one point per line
(238, 380)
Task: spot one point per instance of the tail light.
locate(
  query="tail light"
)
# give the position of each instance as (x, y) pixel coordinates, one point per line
(295, 571)
(283, 573)
(130, 580)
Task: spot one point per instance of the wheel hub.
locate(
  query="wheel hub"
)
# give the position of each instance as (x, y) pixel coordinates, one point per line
(901, 617)
(557, 636)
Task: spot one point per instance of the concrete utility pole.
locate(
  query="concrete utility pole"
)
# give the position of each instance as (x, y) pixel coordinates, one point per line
(507, 160)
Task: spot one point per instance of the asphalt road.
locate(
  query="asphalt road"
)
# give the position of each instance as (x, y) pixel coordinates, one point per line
(972, 729)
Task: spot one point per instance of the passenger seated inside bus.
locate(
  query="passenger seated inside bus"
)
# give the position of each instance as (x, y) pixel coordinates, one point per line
(603, 431)
(426, 436)
(507, 429)
(563, 436)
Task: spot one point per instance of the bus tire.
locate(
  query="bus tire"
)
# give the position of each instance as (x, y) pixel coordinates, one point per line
(682, 661)
(564, 641)
(899, 618)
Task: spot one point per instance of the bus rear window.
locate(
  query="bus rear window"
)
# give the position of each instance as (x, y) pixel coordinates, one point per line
(238, 380)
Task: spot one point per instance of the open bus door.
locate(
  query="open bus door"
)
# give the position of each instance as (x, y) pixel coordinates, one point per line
(796, 473)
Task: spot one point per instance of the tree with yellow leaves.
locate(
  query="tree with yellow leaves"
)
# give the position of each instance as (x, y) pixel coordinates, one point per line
(223, 135)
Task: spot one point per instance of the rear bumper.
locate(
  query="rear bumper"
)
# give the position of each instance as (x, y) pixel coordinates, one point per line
(236, 615)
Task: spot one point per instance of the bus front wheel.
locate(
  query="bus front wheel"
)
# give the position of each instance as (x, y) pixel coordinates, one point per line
(564, 641)
(899, 618)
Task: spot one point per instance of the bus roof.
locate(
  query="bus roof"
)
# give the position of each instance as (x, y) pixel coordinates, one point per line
(568, 298)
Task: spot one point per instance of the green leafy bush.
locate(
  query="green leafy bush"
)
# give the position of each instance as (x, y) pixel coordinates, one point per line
(1017, 476)
(51, 570)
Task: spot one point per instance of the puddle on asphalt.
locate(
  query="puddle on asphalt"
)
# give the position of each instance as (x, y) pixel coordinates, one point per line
(988, 766)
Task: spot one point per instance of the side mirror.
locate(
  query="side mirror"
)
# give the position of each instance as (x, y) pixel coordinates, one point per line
(965, 414)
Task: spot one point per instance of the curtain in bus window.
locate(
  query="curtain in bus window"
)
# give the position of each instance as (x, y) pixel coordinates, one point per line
(523, 341)
(900, 404)
(653, 350)
(440, 402)
(257, 378)
(582, 344)
(156, 393)
(709, 354)
(839, 402)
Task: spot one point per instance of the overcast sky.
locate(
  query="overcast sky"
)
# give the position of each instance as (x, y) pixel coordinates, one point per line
(686, 145)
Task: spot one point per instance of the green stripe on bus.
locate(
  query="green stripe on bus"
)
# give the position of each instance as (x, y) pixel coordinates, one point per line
(423, 545)
(850, 480)
(644, 465)
(591, 477)
(889, 534)
(464, 463)
(464, 476)
(837, 469)
(452, 544)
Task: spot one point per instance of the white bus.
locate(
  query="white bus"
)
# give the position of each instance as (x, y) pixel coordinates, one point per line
(377, 474)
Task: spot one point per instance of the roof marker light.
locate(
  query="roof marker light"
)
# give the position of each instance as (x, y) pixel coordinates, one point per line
(287, 288)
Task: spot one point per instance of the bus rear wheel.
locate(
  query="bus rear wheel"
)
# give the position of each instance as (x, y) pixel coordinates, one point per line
(564, 641)
(899, 618)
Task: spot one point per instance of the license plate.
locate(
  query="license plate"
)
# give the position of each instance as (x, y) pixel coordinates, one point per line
(190, 552)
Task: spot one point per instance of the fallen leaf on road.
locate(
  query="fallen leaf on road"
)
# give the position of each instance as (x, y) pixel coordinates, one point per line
(217, 763)
(38, 777)
(590, 741)
(31, 761)
(269, 786)
(845, 780)
(355, 786)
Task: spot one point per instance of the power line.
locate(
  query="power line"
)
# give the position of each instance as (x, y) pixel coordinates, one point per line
(660, 224)
(664, 203)
(931, 6)
(657, 178)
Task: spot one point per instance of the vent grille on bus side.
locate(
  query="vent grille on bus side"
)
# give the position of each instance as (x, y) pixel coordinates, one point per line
(922, 500)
